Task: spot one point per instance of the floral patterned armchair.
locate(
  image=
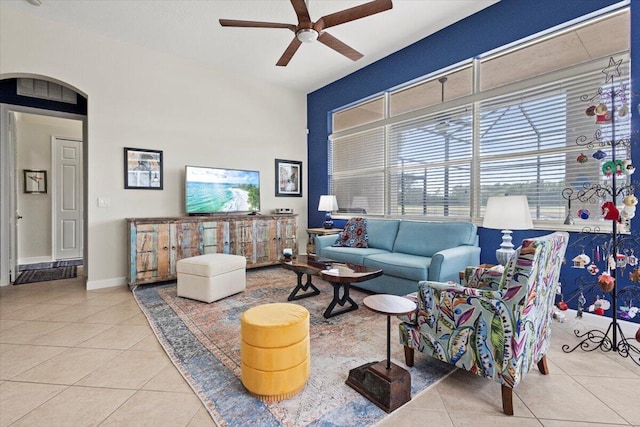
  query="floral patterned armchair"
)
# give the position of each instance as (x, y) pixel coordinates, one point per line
(498, 329)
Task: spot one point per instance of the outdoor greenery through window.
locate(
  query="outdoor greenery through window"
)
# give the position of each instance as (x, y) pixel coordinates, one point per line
(441, 152)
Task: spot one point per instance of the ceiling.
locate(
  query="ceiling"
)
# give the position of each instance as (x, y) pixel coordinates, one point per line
(190, 29)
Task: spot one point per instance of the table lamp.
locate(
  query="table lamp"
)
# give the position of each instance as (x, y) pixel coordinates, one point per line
(328, 204)
(507, 213)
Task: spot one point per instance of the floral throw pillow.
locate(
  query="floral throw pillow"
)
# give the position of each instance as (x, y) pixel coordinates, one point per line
(354, 234)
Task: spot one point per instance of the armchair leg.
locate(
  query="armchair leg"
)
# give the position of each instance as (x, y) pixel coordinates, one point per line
(507, 399)
(408, 356)
(542, 365)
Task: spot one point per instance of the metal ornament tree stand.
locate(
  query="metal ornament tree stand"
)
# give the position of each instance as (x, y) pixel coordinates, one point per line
(613, 339)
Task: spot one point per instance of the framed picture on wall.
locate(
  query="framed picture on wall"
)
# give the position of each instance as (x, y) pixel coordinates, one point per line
(142, 169)
(35, 181)
(288, 178)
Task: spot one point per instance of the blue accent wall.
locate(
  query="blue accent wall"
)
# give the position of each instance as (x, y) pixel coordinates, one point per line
(498, 25)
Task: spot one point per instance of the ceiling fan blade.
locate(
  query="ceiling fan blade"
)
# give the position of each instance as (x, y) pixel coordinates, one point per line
(288, 53)
(300, 6)
(255, 24)
(352, 14)
(335, 44)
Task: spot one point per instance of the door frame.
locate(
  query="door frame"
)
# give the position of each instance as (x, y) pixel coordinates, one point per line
(9, 185)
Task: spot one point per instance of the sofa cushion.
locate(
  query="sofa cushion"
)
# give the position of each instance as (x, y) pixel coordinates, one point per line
(411, 267)
(354, 234)
(381, 233)
(350, 255)
(427, 238)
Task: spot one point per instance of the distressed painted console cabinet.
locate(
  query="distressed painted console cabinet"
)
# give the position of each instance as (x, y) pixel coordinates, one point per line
(156, 244)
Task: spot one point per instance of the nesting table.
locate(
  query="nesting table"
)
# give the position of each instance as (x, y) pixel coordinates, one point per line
(339, 275)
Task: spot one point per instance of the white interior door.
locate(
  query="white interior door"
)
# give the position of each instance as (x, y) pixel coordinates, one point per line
(67, 198)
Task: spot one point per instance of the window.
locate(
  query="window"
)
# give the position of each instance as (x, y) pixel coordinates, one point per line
(440, 151)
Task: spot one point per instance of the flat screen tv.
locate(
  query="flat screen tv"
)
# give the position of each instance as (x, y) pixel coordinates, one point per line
(216, 190)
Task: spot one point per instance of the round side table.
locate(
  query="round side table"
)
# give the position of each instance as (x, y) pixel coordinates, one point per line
(384, 383)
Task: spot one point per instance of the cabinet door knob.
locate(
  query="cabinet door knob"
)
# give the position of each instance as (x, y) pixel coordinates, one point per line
(165, 248)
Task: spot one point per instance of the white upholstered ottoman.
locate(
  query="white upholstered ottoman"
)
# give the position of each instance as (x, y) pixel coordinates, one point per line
(211, 277)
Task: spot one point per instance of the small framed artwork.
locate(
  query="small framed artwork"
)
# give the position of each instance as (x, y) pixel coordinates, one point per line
(35, 181)
(142, 169)
(288, 178)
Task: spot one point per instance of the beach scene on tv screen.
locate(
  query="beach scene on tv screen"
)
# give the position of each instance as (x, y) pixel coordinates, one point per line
(211, 190)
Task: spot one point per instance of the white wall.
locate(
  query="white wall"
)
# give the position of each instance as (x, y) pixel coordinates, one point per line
(33, 143)
(146, 99)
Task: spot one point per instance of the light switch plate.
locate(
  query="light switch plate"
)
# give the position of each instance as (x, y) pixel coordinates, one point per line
(103, 202)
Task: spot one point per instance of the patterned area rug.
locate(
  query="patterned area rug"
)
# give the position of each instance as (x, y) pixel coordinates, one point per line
(46, 274)
(203, 341)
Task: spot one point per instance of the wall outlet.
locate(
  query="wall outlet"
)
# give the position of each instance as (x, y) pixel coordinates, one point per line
(104, 202)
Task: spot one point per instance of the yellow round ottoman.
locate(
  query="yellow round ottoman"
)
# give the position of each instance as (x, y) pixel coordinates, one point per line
(275, 350)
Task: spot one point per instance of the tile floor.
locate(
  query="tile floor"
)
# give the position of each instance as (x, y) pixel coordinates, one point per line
(71, 357)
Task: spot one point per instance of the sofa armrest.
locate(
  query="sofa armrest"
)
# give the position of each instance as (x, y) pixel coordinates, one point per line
(447, 264)
(324, 241)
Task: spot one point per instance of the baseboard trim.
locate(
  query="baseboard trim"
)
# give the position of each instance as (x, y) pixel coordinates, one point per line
(35, 260)
(602, 322)
(107, 283)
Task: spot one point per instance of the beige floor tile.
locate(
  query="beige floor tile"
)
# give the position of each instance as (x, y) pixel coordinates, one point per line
(71, 298)
(120, 337)
(18, 399)
(6, 308)
(169, 379)
(411, 417)
(201, 419)
(596, 363)
(463, 419)
(107, 299)
(24, 357)
(75, 313)
(129, 303)
(151, 408)
(620, 394)
(138, 319)
(71, 335)
(6, 347)
(69, 366)
(467, 393)
(9, 323)
(429, 399)
(34, 312)
(77, 406)
(563, 398)
(113, 315)
(129, 369)
(558, 423)
(28, 331)
(150, 343)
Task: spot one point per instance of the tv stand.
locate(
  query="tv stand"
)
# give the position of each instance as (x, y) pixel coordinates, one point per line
(156, 244)
(254, 213)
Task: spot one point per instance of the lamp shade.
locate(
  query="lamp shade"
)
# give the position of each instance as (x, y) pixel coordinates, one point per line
(328, 203)
(508, 212)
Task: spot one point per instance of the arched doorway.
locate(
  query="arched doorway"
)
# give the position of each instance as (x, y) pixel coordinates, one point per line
(44, 103)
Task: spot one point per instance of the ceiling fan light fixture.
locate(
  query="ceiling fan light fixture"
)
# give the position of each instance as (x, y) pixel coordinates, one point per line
(307, 35)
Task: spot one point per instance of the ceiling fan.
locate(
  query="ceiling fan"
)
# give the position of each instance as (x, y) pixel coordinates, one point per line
(307, 31)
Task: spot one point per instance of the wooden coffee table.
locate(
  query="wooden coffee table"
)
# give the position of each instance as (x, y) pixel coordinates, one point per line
(384, 383)
(339, 275)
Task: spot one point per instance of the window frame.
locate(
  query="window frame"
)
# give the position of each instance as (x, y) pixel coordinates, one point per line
(474, 101)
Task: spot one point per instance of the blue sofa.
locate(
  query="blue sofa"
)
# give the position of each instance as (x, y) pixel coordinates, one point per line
(408, 252)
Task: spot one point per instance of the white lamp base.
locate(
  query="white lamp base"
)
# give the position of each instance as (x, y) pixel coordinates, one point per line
(506, 250)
